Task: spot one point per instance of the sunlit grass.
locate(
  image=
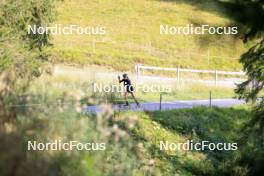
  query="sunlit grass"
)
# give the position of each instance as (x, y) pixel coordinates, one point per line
(133, 35)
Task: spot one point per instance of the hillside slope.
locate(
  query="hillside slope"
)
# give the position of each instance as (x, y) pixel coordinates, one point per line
(133, 34)
(177, 126)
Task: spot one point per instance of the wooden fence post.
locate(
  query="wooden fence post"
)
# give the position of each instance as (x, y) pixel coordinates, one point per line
(216, 77)
(210, 99)
(137, 71)
(178, 74)
(93, 46)
(160, 101)
(208, 57)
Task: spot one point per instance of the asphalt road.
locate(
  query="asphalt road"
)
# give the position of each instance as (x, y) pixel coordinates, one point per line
(171, 105)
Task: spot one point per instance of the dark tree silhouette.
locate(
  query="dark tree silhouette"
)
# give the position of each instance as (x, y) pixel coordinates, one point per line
(253, 59)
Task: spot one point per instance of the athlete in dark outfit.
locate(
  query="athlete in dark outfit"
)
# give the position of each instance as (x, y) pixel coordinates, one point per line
(128, 88)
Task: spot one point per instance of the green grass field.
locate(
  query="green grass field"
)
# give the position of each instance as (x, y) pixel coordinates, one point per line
(133, 35)
(193, 124)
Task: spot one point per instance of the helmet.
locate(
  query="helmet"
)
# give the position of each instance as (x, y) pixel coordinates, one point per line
(124, 75)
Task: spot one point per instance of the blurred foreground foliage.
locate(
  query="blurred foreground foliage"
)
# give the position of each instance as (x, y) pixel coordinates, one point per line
(22, 54)
(23, 57)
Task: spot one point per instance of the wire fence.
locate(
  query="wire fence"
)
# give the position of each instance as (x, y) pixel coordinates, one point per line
(207, 58)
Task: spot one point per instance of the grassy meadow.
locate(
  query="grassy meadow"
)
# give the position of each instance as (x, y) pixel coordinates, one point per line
(132, 36)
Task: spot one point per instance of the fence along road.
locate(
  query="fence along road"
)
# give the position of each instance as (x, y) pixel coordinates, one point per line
(106, 75)
(138, 69)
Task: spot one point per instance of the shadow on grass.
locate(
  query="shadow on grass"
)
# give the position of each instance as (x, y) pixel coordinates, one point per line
(202, 119)
(247, 13)
(216, 125)
(206, 39)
